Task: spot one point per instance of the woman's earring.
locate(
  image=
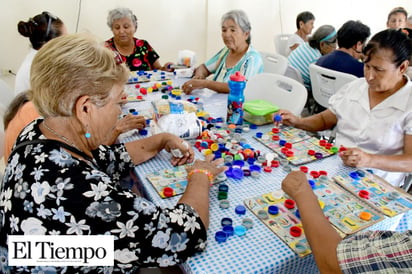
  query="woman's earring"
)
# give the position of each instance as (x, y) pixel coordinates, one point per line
(87, 134)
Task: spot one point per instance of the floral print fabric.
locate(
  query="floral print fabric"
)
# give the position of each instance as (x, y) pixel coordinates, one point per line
(143, 57)
(47, 191)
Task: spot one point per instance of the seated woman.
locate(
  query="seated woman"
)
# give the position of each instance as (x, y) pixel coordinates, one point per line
(21, 112)
(238, 55)
(373, 115)
(138, 54)
(61, 180)
(322, 42)
(397, 18)
(304, 24)
(40, 29)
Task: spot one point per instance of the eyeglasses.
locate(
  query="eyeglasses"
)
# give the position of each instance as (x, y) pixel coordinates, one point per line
(49, 21)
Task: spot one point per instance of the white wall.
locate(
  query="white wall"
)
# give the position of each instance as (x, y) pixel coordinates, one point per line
(171, 25)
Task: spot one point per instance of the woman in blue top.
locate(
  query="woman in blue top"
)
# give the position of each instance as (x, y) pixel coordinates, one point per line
(238, 55)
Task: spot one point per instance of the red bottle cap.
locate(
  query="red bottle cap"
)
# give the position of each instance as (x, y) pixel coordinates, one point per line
(363, 194)
(237, 77)
(304, 169)
(295, 231)
(289, 204)
(168, 191)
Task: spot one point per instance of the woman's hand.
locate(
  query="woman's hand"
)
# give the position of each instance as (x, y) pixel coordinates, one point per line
(355, 157)
(296, 183)
(180, 149)
(213, 166)
(130, 122)
(288, 118)
(190, 85)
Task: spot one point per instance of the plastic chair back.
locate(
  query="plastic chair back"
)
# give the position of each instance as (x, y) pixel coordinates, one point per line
(326, 82)
(280, 90)
(274, 62)
(281, 44)
(293, 73)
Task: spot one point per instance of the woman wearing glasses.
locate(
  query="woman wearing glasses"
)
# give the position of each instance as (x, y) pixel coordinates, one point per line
(40, 29)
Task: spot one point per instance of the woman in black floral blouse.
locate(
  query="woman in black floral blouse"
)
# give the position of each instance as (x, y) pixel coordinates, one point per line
(61, 180)
(138, 54)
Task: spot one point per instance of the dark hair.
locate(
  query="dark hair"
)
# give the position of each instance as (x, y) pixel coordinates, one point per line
(304, 17)
(351, 33)
(14, 107)
(41, 28)
(397, 10)
(395, 40)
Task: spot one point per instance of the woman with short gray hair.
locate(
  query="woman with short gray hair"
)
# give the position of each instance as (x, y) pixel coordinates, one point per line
(237, 55)
(138, 54)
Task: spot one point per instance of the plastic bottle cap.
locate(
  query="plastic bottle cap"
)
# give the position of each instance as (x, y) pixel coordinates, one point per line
(222, 195)
(237, 173)
(248, 223)
(224, 204)
(289, 204)
(240, 230)
(223, 187)
(220, 236)
(365, 215)
(241, 210)
(168, 192)
(228, 230)
(237, 77)
(364, 194)
(304, 169)
(226, 222)
(263, 214)
(273, 210)
(295, 231)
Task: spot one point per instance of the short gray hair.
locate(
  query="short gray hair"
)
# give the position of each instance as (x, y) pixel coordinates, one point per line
(325, 33)
(119, 13)
(241, 19)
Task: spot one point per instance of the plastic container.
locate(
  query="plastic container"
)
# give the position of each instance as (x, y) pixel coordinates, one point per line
(259, 112)
(237, 84)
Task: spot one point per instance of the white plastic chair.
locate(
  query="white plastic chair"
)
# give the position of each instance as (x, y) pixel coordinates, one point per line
(280, 90)
(281, 43)
(274, 62)
(293, 73)
(326, 82)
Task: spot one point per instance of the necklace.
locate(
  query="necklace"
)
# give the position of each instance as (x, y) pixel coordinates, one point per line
(60, 136)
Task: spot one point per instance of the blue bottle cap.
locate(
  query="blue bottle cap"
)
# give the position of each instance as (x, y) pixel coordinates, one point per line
(240, 230)
(220, 236)
(223, 187)
(250, 161)
(238, 163)
(282, 142)
(259, 134)
(361, 173)
(228, 230)
(277, 118)
(354, 175)
(226, 221)
(143, 132)
(253, 126)
(255, 168)
(297, 213)
(240, 209)
(237, 173)
(312, 183)
(273, 210)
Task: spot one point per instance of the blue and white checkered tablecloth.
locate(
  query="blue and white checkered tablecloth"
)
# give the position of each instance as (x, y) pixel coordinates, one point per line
(259, 250)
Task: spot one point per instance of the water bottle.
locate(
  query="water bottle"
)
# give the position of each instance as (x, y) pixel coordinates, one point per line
(235, 99)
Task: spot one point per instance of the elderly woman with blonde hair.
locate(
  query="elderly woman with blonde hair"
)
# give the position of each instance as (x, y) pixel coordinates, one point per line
(61, 180)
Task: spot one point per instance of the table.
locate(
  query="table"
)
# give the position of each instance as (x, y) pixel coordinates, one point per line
(260, 250)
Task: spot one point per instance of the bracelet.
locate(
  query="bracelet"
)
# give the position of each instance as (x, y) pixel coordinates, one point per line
(204, 171)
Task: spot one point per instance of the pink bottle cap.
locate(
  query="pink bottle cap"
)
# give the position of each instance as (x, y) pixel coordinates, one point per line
(237, 77)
